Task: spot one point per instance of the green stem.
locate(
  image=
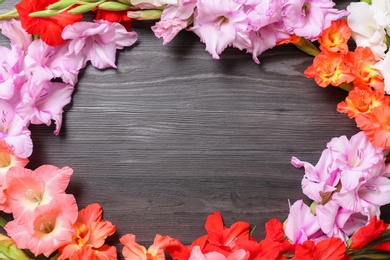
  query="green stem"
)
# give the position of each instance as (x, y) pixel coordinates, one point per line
(9, 15)
(3, 222)
(307, 47)
(346, 86)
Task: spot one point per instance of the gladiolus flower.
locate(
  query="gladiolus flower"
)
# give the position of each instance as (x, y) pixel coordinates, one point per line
(49, 28)
(28, 190)
(133, 250)
(361, 99)
(376, 125)
(362, 62)
(332, 248)
(90, 231)
(368, 233)
(329, 68)
(8, 159)
(114, 16)
(196, 254)
(50, 226)
(335, 38)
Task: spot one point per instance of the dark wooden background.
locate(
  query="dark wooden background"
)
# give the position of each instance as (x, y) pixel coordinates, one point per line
(173, 135)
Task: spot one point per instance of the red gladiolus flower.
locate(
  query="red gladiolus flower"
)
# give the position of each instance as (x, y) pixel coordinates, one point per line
(118, 16)
(368, 233)
(49, 28)
(332, 248)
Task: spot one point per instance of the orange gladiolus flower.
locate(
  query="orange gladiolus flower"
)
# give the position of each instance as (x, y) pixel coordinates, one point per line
(368, 233)
(292, 39)
(335, 37)
(360, 100)
(376, 125)
(132, 250)
(91, 231)
(332, 248)
(329, 68)
(49, 28)
(361, 63)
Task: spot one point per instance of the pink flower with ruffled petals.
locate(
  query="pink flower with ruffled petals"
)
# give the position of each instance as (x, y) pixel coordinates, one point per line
(14, 131)
(44, 63)
(49, 227)
(11, 71)
(221, 23)
(320, 179)
(43, 102)
(97, 42)
(7, 160)
(335, 221)
(308, 18)
(196, 254)
(14, 31)
(301, 223)
(174, 18)
(28, 190)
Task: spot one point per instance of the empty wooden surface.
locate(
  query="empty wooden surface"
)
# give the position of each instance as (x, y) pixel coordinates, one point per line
(173, 135)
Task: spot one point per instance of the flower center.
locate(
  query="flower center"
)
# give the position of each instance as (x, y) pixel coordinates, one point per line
(46, 227)
(5, 160)
(34, 196)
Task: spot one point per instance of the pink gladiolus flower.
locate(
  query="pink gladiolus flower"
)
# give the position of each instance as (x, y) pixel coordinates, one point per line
(46, 62)
(338, 222)
(50, 226)
(11, 71)
(174, 18)
(196, 254)
(43, 102)
(307, 18)
(301, 223)
(96, 42)
(90, 234)
(14, 131)
(14, 31)
(221, 23)
(7, 160)
(28, 190)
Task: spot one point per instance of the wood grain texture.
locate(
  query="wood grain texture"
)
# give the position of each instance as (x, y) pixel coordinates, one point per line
(173, 135)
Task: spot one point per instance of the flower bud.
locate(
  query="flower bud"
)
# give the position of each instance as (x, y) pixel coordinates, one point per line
(153, 14)
(45, 13)
(9, 251)
(61, 4)
(84, 8)
(114, 6)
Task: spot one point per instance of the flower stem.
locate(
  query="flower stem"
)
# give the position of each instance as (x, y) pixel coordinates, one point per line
(3, 222)
(346, 86)
(307, 47)
(9, 15)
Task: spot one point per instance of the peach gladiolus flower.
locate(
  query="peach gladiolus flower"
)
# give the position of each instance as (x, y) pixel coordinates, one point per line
(132, 250)
(335, 37)
(362, 62)
(360, 100)
(91, 232)
(7, 160)
(376, 125)
(329, 68)
(27, 190)
(50, 226)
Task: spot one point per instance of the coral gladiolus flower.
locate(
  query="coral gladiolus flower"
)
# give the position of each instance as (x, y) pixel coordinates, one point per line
(329, 68)
(49, 28)
(368, 233)
(332, 248)
(50, 226)
(8, 159)
(91, 231)
(133, 250)
(362, 62)
(376, 125)
(28, 190)
(360, 100)
(335, 38)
